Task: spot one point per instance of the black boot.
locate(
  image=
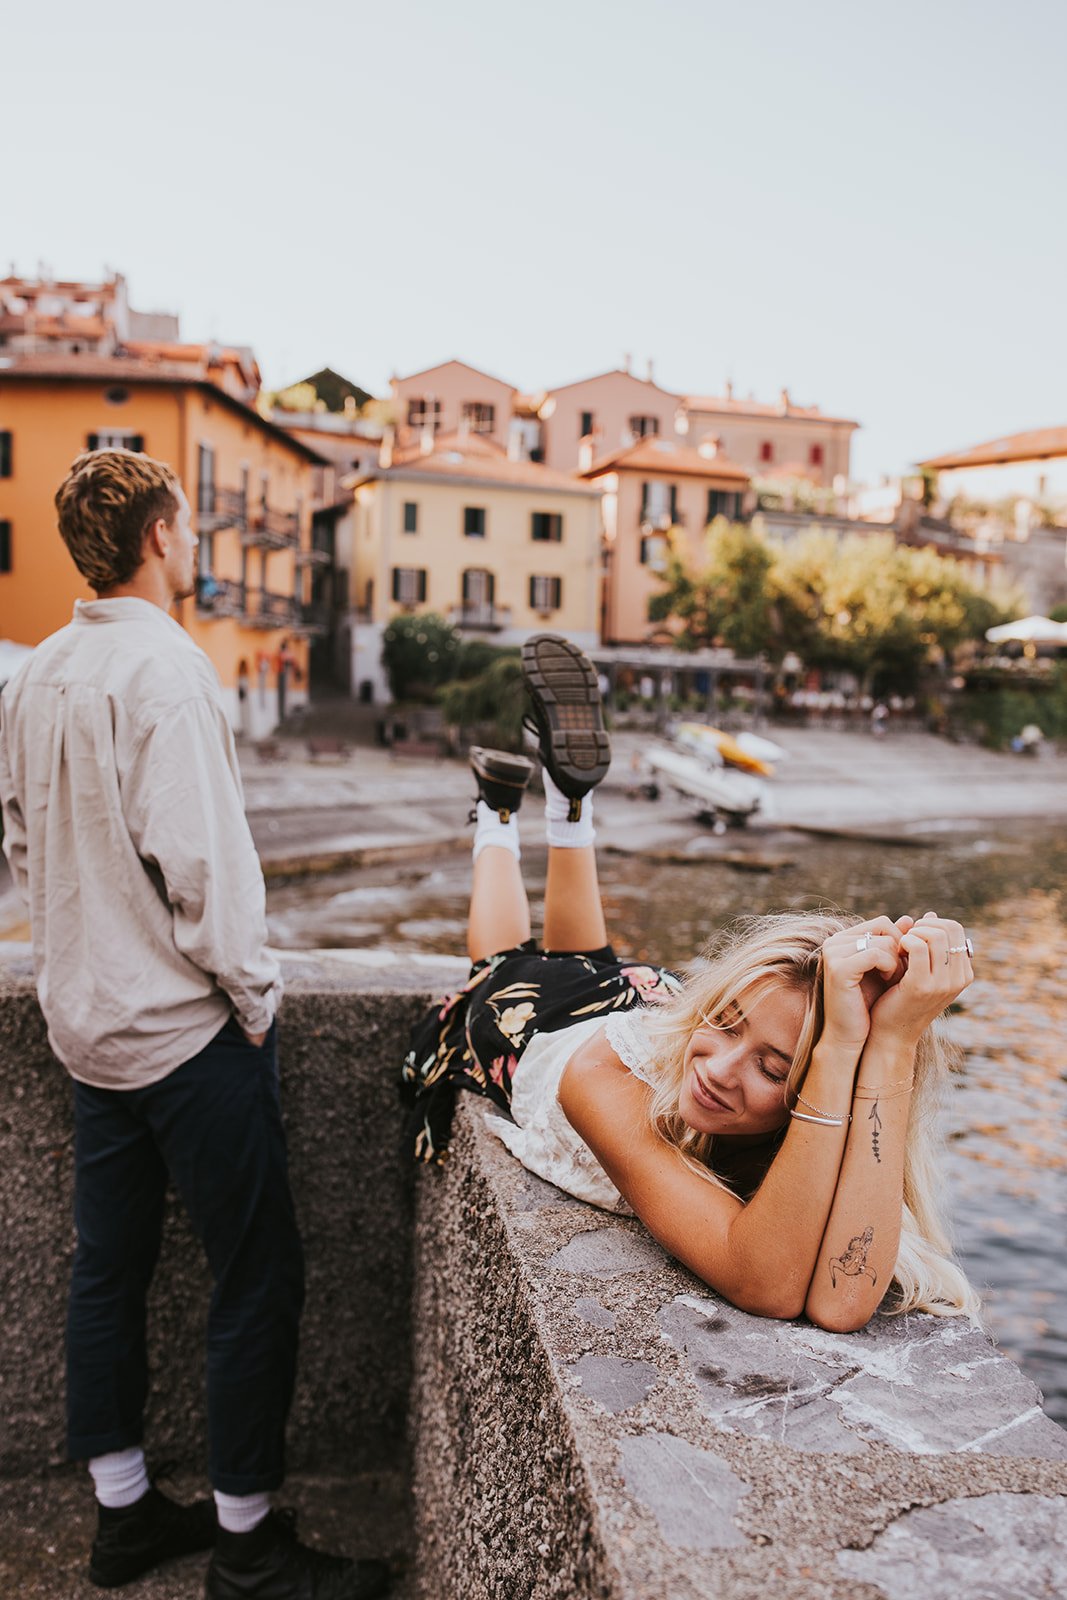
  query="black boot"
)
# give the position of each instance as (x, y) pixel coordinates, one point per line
(270, 1563)
(502, 779)
(568, 719)
(137, 1538)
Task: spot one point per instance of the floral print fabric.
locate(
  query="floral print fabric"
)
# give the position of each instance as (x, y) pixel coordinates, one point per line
(473, 1039)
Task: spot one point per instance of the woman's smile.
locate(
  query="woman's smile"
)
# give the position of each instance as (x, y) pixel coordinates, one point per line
(736, 1066)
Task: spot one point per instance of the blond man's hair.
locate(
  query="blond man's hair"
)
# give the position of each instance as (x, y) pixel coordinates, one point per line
(106, 504)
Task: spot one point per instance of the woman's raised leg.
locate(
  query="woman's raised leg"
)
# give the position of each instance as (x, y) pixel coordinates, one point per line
(574, 915)
(499, 915)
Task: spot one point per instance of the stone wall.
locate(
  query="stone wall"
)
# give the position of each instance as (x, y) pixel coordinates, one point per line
(585, 1419)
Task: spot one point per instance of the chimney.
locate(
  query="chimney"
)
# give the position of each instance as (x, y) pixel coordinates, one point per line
(627, 362)
(651, 371)
(783, 401)
(729, 389)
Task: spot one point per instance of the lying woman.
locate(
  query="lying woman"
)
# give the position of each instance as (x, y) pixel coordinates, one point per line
(770, 1119)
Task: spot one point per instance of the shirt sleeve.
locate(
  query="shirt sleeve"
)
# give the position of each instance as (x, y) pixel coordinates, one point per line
(183, 805)
(14, 827)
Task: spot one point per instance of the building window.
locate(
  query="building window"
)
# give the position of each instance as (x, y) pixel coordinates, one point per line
(478, 416)
(546, 594)
(205, 481)
(423, 413)
(659, 504)
(479, 587)
(5, 454)
(474, 522)
(409, 585)
(766, 451)
(723, 503)
(546, 525)
(5, 547)
(815, 455)
(654, 552)
(411, 516)
(644, 427)
(115, 439)
(585, 424)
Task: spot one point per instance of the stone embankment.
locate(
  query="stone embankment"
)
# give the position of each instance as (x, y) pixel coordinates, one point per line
(579, 1415)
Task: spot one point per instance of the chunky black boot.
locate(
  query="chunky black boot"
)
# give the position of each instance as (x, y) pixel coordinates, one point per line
(567, 718)
(502, 779)
(270, 1563)
(136, 1538)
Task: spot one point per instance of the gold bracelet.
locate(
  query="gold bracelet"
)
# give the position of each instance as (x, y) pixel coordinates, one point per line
(819, 1112)
(890, 1091)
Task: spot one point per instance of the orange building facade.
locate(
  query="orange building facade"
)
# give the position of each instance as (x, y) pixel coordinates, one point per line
(251, 487)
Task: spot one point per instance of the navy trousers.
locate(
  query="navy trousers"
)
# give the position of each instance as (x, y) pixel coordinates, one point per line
(214, 1128)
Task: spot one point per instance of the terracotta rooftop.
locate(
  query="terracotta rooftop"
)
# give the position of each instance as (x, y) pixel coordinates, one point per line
(728, 405)
(1041, 444)
(467, 457)
(670, 456)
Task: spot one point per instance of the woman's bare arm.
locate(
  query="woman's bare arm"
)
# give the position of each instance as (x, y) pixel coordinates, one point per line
(858, 1254)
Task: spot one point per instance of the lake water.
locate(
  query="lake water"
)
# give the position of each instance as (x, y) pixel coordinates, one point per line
(1006, 1112)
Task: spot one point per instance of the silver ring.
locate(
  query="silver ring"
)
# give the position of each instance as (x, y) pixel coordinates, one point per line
(956, 949)
(864, 942)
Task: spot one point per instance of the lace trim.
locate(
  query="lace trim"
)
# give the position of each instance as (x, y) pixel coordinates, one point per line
(627, 1038)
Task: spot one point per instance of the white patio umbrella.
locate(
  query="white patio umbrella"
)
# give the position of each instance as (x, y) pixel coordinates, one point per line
(1029, 630)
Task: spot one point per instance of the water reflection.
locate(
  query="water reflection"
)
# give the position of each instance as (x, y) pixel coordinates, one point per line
(1007, 1108)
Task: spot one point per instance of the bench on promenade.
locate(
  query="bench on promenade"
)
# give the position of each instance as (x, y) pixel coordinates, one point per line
(422, 749)
(322, 747)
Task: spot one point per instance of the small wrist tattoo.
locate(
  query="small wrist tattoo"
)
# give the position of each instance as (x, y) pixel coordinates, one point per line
(876, 1128)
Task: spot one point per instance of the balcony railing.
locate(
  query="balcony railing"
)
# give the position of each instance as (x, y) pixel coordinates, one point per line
(220, 597)
(313, 557)
(273, 530)
(217, 509)
(487, 618)
(267, 610)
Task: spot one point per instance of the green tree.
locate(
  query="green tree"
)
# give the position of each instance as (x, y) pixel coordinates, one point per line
(496, 699)
(419, 654)
(728, 599)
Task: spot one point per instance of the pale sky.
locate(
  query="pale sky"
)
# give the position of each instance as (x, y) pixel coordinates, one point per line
(864, 204)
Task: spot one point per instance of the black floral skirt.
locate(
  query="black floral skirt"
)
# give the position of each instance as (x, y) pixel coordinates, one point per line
(473, 1039)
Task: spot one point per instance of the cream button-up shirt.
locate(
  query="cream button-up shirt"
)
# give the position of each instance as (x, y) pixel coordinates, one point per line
(124, 825)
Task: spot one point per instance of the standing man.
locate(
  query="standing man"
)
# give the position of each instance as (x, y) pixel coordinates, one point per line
(126, 833)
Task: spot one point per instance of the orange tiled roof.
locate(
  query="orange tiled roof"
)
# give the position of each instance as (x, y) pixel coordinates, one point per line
(669, 456)
(723, 405)
(91, 368)
(1040, 444)
(472, 456)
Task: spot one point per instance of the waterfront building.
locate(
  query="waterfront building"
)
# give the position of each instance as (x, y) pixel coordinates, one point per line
(606, 413)
(653, 490)
(780, 441)
(250, 484)
(499, 546)
(1004, 487)
(451, 398)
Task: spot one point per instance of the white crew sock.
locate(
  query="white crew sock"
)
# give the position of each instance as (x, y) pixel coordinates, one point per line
(120, 1478)
(489, 829)
(240, 1513)
(558, 831)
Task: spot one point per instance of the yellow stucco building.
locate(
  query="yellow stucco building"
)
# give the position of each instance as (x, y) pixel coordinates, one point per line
(500, 547)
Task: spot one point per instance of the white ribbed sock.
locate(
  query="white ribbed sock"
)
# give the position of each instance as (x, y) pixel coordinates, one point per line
(240, 1513)
(120, 1477)
(490, 830)
(558, 831)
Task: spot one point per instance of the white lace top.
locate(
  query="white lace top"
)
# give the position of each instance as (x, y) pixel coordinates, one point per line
(541, 1136)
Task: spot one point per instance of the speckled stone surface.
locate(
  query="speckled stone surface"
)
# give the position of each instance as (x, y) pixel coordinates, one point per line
(592, 1421)
(341, 1041)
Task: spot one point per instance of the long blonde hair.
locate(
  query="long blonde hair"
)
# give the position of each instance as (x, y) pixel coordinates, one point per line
(744, 963)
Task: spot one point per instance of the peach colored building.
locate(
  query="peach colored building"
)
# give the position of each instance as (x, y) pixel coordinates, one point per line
(608, 412)
(773, 441)
(650, 488)
(451, 398)
(251, 487)
(497, 546)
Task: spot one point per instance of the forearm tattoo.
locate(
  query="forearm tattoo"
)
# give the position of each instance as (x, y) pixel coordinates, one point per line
(876, 1128)
(853, 1264)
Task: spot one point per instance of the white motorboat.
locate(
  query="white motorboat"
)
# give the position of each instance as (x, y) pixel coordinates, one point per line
(728, 797)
